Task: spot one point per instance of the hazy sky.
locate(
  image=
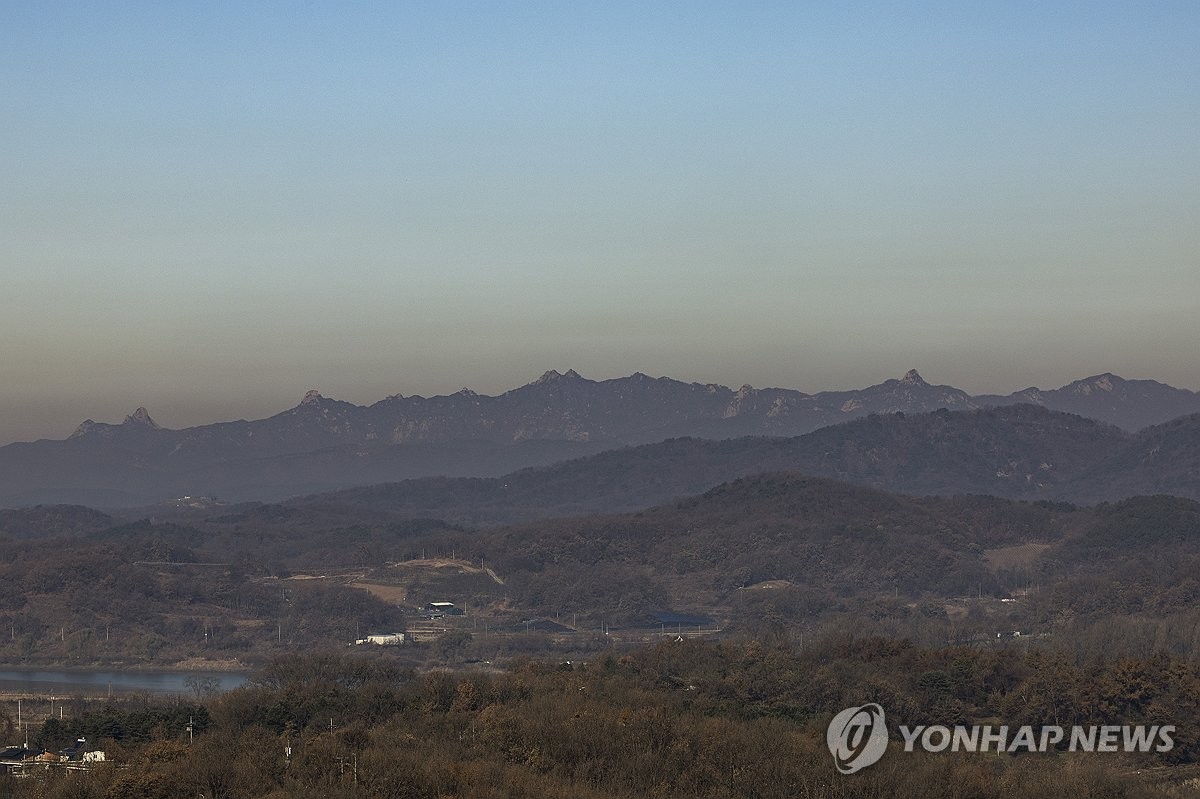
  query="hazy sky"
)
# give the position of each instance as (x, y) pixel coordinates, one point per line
(208, 208)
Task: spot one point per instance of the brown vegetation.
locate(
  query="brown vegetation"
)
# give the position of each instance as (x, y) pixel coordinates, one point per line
(679, 720)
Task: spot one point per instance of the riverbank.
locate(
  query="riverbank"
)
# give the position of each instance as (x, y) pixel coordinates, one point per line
(187, 665)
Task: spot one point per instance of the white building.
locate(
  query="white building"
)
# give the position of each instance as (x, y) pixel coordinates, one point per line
(382, 639)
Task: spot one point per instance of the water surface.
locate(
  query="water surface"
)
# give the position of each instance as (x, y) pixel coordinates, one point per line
(90, 683)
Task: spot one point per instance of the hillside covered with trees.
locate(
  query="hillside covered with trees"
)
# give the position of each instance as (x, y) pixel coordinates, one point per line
(762, 555)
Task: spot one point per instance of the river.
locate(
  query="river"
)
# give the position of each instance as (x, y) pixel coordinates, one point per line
(47, 682)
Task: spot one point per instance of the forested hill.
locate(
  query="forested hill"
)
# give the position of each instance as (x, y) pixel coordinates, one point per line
(783, 550)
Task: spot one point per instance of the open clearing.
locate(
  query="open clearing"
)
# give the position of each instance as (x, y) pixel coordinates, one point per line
(395, 594)
(1014, 557)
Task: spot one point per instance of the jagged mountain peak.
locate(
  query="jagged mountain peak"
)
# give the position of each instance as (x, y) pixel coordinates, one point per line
(85, 427)
(554, 375)
(913, 378)
(141, 417)
(1102, 382)
(311, 396)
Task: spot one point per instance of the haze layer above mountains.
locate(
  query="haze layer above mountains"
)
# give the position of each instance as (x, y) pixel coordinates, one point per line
(324, 444)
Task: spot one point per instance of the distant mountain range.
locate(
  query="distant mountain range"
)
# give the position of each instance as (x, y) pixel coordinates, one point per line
(1016, 452)
(324, 444)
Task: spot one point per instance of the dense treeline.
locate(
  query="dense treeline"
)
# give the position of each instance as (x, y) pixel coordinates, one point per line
(134, 721)
(682, 719)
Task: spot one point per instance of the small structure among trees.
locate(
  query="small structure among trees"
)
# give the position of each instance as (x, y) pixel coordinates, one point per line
(382, 639)
(437, 609)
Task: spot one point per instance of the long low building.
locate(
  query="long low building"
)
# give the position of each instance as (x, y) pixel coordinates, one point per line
(382, 639)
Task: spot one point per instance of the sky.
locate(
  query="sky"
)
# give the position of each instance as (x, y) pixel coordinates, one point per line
(209, 208)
